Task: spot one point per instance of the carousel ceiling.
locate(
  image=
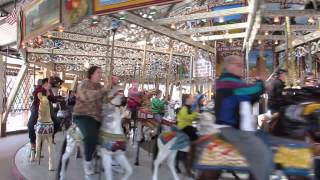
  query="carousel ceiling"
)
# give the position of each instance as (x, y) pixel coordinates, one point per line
(190, 26)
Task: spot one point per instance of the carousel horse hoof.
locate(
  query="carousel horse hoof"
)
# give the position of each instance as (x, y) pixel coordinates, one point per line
(88, 168)
(32, 158)
(136, 163)
(178, 170)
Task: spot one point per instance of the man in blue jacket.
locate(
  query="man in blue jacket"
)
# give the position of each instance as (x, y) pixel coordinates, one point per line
(231, 90)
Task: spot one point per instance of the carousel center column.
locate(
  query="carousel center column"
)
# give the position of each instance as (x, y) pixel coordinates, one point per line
(290, 63)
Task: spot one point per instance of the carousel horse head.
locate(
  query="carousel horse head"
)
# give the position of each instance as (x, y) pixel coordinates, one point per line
(44, 108)
(207, 120)
(111, 111)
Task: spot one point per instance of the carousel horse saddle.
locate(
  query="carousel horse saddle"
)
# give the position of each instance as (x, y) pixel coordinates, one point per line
(113, 142)
(44, 128)
(182, 139)
(213, 152)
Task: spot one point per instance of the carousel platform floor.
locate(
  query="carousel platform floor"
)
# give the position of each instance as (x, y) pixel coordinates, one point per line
(34, 171)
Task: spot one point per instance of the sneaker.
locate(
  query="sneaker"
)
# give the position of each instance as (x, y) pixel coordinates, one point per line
(88, 168)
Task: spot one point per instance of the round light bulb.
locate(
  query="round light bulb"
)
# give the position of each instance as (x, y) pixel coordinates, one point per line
(276, 19)
(221, 19)
(86, 65)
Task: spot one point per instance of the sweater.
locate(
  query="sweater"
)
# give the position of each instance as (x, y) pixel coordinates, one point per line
(157, 106)
(90, 96)
(230, 91)
(185, 118)
(134, 98)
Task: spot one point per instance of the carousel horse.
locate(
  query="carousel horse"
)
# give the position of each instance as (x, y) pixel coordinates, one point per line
(44, 129)
(211, 153)
(74, 139)
(148, 129)
(298, 117)
(113, 139)
(169, 143)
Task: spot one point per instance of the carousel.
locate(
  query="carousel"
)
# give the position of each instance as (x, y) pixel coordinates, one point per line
(174, 47)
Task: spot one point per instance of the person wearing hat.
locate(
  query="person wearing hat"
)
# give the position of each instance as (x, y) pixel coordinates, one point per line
(276, 89)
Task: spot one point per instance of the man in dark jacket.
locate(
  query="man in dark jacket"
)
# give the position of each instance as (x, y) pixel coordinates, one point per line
(231, 91)
(275, 93)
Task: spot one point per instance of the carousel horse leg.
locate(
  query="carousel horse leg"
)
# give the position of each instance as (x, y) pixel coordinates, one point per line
(32, 152)
(178, 157)
(163, 153)
(65, 157)
(107, 161)
(50, 149)
(170, 163)
(124, 163)
(38, 146)
(78, 154)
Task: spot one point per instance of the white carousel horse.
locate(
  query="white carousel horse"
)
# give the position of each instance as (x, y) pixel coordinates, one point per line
(113, 139)
(111, 127)
(206, 125)
(44, 129)
(73, 138)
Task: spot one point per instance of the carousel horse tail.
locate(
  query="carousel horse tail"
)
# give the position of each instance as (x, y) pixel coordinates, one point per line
(63, 149)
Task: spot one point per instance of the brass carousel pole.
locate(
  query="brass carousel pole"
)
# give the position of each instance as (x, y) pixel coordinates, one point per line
(144, 59)
(110, 73)
(291, 64)
(190, 76)
(168, 71)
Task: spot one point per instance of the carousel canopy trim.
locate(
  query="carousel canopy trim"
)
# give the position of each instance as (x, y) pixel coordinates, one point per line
(219, 37)
(226, 12)
(272, 37)
(132, 18)
(104, 42)
(289, 12)
(267, 27)
(299, 41)
(213, 28)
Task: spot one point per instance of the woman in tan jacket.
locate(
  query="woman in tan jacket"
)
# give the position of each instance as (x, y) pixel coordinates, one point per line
(87, 112)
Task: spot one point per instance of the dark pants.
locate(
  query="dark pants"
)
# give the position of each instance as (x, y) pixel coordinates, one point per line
(32, 121)
(89, 128)
(191, 132)
(317, 169)
(134, 117)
